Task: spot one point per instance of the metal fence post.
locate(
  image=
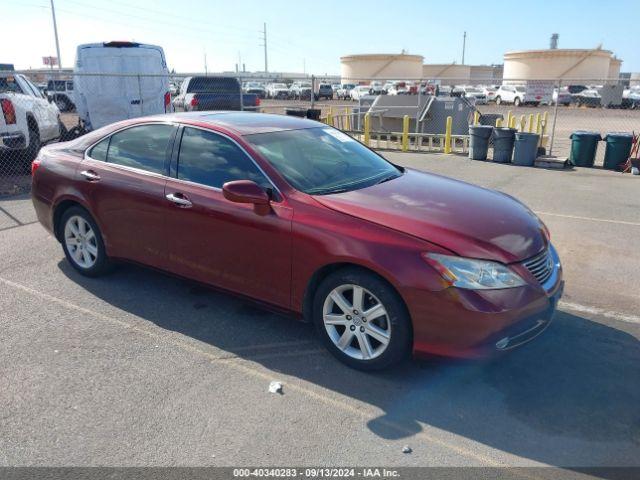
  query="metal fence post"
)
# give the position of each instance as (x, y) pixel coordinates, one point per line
(418, 109)
(140, 95)
(555, 119)
(313, 90)
(241, 95)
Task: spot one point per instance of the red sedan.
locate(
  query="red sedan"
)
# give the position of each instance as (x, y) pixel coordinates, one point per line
(384, 260)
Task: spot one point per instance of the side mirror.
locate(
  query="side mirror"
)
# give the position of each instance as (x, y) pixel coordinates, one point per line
(245, 191)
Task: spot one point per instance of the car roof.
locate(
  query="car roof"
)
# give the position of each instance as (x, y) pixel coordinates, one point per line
(243, 123)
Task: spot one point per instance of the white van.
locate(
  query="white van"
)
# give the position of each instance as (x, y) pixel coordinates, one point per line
(119, 80)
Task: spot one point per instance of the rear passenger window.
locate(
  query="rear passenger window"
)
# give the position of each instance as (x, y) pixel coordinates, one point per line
(143, 147)
(210, 159)
(99, 151)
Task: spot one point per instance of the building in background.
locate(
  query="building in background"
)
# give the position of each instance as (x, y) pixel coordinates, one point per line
(385, 66)
(564, 64)
(458, 74)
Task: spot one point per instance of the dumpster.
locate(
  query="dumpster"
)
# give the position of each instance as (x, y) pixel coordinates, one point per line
(479, 141)
(296, 112)
(618, 149)
(525, 149)
(583, 148)
(503, 139)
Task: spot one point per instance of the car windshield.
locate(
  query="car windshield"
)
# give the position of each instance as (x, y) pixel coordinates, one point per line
(279, 85)
(521, 89)
(472, 90)
(323, 160)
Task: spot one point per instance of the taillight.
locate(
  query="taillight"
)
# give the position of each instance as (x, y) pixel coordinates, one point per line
(167, 101)
(35, 164)
(257, 101)
(8, 111)
(194, 102)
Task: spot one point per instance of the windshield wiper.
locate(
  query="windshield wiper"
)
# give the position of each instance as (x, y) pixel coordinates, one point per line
(386, 179)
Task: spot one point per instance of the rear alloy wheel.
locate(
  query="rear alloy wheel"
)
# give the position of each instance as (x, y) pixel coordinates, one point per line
(498, 100)
(516, 102)
(362, 320)
(82, 243)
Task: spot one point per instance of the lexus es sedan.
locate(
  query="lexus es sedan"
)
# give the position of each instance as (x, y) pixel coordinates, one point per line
(384, 260)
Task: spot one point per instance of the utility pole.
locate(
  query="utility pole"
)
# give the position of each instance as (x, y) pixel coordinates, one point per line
(464, 45)
(264, 44)
(205, 63)
(55, 31)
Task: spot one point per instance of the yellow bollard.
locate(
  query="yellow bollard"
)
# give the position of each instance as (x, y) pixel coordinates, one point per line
(498, 123)
(476, 117)
(512, 123)
(330, 117)
(367, 129)
(405, 133)
(509, 115)
(538, 123)
(447, 135)
(347, 119)
(523, 123)
(531, 123)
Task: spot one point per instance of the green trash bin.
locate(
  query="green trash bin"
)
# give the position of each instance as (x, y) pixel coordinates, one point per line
(618, 149)
(583, 148)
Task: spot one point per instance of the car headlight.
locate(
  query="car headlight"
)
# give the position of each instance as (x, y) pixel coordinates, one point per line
(473, 274)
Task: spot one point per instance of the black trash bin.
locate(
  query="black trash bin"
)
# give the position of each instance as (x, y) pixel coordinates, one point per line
(296, 112)
(525, 149)
(314, 113)
(618, 149)
(479, 141)
(583, 148)
(503, 140)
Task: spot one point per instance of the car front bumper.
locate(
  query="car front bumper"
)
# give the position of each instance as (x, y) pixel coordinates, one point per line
(477, 323)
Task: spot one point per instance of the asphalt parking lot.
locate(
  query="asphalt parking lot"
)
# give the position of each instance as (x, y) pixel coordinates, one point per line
(139, 368)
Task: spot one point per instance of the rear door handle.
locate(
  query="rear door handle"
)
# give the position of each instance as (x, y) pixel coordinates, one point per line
(90, 175)
(179, 200)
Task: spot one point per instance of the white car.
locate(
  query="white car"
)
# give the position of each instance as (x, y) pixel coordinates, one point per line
(358, 92)
(490, 93)
(115, 81)
(344, 92)
(277, 90)
(27, 121)
(396, 88)
(515, 94)
(473, 93)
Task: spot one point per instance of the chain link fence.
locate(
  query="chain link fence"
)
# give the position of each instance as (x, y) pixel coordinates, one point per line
(403, 114)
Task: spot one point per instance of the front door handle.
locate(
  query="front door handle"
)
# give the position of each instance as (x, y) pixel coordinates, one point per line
(90, 175)
(179, 200)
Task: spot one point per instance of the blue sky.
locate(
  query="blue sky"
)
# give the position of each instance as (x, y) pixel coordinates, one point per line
(312, 35)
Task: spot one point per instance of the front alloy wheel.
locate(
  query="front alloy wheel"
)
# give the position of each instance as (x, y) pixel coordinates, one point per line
(356, 322)
(361, 319)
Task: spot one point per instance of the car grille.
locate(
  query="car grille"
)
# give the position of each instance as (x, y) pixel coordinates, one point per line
(540, 266)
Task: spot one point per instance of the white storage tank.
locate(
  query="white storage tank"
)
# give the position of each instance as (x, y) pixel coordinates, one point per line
(570, 64)
(384, 66)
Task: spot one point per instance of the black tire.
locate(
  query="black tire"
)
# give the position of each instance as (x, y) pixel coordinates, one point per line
(498, 100)
(63, 131)
(31, 152)
(102, 263)
(516, 102)
(399, 346)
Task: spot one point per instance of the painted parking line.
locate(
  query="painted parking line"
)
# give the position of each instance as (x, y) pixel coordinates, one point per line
(249, 367)
(622, 317)
(590, 219)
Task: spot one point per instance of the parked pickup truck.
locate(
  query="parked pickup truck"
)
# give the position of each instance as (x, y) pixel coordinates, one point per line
(28, 119)
(213, 93)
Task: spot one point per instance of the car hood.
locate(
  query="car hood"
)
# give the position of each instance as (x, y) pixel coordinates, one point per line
(466, 219)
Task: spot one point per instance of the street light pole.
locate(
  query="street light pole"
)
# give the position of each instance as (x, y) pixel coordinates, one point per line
(464, 45)
(55, 31)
